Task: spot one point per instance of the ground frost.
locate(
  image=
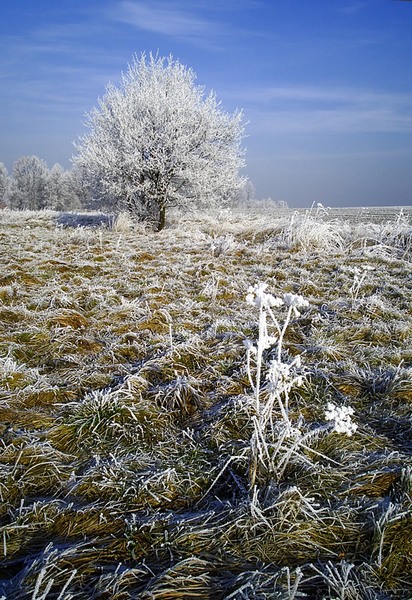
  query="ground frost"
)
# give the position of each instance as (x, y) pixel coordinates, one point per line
(163, 437)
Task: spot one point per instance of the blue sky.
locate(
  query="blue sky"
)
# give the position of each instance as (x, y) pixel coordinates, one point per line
(326, 85)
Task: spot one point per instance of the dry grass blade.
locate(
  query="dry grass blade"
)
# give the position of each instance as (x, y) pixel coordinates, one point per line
(190, 579)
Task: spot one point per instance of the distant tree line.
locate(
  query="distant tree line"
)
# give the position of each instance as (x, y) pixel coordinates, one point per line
(33, 186)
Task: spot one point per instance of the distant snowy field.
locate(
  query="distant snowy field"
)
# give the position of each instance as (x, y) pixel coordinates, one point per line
(375, 214)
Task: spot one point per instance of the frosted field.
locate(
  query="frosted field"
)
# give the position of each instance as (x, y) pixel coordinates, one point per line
(375, 214)
(135, 459)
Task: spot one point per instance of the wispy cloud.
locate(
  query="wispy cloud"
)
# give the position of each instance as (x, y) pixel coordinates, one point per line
(164, 17)
(173, 19)
(311, 109)
(351, 9)
(334, 121)
(57, 68)
(305, 93)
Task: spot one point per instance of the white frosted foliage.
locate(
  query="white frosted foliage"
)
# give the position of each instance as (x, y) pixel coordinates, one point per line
(157, 141)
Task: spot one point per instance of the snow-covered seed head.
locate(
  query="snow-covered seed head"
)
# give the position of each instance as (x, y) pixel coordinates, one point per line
(341, 417)
(295, 300)
(257, 296)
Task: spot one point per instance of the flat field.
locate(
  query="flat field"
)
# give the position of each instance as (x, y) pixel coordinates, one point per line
(151, 447)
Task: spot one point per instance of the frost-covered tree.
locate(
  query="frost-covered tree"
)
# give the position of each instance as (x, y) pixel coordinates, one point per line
(56, 193)
(30, 175)
(4, 185)
(245, 196)
(158, 141)
(61, 189)
(78, 191)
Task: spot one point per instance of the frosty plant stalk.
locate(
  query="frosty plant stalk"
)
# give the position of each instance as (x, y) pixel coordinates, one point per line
(359, 276)
(280, 374)
(273, 443)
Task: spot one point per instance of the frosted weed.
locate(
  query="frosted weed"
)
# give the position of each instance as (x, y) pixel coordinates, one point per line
(359, 276)
(281, 376)
(274, 443)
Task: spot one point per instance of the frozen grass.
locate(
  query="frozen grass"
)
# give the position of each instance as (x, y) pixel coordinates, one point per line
(151, 447)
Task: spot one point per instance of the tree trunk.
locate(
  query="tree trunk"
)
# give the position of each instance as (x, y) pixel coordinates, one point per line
(162, 218)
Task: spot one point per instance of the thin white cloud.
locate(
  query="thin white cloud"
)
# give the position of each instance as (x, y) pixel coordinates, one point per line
(164, 18)
(311, 109)
(305, 93)
(334, 121)
(352, 8)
